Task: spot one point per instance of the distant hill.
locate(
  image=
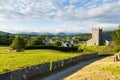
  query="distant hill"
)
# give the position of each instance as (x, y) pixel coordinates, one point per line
(2, 32)
(68, 34)
(29, 33)
(61, 34)
(107, 35)
(50, 34)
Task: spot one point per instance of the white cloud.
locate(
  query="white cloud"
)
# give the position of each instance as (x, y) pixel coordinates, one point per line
(97, 12)
(76, 1)
(49, 9)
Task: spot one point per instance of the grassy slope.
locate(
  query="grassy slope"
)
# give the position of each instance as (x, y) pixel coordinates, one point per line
(105, 69)
(12, 60)
(99, 49)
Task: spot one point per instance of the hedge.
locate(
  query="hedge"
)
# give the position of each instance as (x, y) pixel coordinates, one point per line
(60, 48)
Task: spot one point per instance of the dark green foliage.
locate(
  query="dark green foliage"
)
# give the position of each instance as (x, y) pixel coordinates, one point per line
(57, 43)
(26, 38)
(18, 44)
(84, 37)
(6, 39)
(117, 48)
(107, 35)
(28, 43)
(116, 38)
(36, 41)
(66, 49)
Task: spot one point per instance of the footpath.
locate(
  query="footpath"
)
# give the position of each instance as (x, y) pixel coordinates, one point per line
(64, 73)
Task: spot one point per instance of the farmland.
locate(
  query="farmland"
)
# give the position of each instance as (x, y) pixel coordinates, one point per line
(11, 60)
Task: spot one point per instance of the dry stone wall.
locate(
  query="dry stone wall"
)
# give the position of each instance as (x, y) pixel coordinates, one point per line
(57, 65)
(26, 73)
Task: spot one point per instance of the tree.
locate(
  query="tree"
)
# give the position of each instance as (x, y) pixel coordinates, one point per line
(116, 38)
(57, 43)
(6, 39)
(18, 44)
(37, 41)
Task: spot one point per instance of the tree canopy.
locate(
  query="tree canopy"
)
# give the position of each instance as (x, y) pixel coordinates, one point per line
(18, 44)
(36, 41)
(6, 39)
(116, 38)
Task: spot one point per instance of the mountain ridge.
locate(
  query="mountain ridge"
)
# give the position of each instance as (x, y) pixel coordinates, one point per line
(3, 32)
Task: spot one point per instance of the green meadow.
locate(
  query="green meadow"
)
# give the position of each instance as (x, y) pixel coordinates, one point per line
(10, 61)
(99, 49)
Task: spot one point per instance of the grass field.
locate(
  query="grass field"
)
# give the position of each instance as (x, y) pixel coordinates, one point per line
(11, 60)
(100, 49)
(104, 69)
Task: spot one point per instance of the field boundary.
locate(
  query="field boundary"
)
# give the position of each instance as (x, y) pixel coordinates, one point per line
(26, 73)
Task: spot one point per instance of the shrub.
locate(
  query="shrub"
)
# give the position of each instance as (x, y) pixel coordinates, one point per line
(117, 48)
(66, 49)
(36, 41)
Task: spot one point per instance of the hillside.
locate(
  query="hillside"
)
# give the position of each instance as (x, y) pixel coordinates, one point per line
(2, 32)
(104, 69)
(107, 35)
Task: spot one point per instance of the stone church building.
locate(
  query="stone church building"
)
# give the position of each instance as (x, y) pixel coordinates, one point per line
(98, 38)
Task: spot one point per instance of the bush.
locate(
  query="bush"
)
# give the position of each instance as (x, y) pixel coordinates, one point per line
(36, 41)
(117, 48)
(66, 49)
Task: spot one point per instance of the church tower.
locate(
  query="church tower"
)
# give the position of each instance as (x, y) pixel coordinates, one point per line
(97, 36)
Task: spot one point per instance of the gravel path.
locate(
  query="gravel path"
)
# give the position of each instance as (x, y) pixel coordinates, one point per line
(64, 73)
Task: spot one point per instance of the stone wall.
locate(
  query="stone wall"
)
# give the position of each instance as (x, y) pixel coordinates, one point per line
(26, 73)
(56, 65)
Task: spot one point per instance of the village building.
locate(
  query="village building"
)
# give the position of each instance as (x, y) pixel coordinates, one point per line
(98, 38)
(67, 43)
(50, 41)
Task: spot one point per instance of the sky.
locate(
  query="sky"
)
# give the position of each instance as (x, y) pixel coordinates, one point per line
(58, 15)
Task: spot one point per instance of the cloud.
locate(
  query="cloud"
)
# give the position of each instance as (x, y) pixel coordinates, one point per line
(77, 1)
(83, 14)
(90, 10)
(110, 14)
(25, 8)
